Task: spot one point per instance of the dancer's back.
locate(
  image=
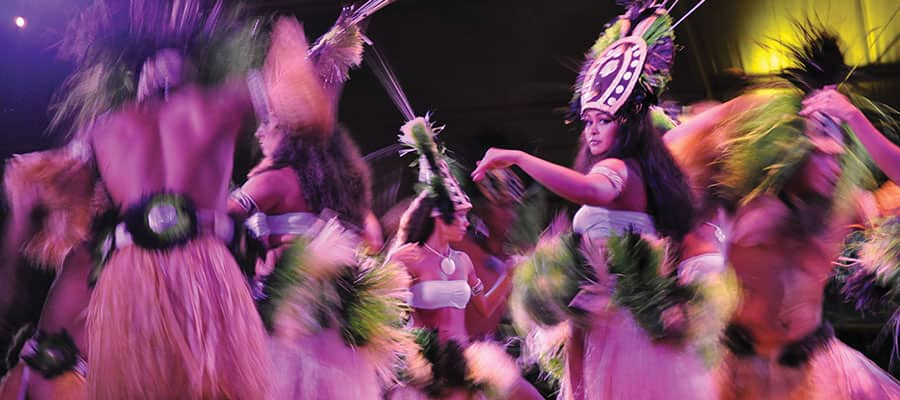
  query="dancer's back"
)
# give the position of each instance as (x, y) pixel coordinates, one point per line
(181, 144)
(186, 297)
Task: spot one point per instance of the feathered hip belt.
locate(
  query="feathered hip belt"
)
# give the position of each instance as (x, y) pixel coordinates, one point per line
(741, 343)
(166, 220)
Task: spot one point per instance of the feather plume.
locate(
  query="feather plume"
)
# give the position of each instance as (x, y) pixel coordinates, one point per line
(547, 280)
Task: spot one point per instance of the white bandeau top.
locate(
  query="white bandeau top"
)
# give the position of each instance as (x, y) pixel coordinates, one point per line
(295, 223)
(600, 223)
(431, 295)
(701, 266)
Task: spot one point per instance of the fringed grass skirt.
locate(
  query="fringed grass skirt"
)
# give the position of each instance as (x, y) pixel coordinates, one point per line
(322, 367)
(835, 372)
(175, 324)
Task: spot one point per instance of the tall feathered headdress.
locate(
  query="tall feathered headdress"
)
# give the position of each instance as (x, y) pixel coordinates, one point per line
(628, 67)
(329, 60)
(341, 48)
(762, 142)
(819, 62)
(293, 92)
(418, 135)
(110, 41)
(434, 169)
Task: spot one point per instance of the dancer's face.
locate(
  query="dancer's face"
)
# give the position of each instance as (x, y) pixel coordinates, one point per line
(269, 136)
(456, 230)
(599, 130)
(823, 168)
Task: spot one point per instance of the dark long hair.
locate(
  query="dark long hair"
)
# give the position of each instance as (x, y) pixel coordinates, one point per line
(332, 174)
(669, 199)
(417, 223)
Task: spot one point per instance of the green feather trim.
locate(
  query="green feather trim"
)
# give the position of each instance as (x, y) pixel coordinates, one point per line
(546, 281)
(872, 282)
(764, 149)
(641, 287)
(480, 367)
(439, 366)
(532, 215)
(418, 135)
(288, 275)
(887, 120)
(545, 346)
(372, 313)
(236, 53)
(373, 301)
(321, 282)
(110, 41)
(609, 36)
(710, 312)
(301, 295)
(337, 51)
(660, 119)
(658, 29)
(766, 144)
(880, 254)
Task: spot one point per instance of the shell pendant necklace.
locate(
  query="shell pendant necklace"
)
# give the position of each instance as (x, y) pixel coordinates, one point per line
(448, 266)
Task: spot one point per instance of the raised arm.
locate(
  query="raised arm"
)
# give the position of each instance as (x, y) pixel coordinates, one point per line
(260, 193)
(835, 105)
(591, 189)
(486, 300)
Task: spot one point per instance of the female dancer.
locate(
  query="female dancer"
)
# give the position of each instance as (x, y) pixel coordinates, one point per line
(627, 183)
(787, 171)
(304, 179)
(444, 284)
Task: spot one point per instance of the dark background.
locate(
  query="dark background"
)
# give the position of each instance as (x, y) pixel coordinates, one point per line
(496, 72)
(481, 66)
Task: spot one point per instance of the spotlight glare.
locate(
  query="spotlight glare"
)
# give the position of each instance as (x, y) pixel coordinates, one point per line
(20, 22)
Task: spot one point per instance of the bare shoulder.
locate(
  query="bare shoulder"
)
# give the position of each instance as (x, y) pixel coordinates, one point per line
(275, 176)
(615, 164)
(463, 257)
(265, 189)
(409, 255)
(232, 97)
(198, 112)
(406, 249)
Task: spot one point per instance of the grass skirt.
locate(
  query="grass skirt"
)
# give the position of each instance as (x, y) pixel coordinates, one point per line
(622, 362)
(321, 366)
(178, 323)
(835, 372)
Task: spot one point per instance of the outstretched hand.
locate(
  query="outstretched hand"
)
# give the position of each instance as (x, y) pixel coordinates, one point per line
(831, 103)
(494, 159)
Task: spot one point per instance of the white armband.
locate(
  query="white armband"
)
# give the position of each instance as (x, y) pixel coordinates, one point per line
(616, 180)
(478, 288)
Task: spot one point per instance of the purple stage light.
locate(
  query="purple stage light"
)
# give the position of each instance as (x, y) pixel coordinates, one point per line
(20, 22)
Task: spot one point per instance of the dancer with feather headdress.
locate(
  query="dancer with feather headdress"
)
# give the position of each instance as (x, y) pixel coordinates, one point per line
(171, 315)
(110, 43)
(786, 164)
(609, 291)
(334, 314)
(445, 363)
